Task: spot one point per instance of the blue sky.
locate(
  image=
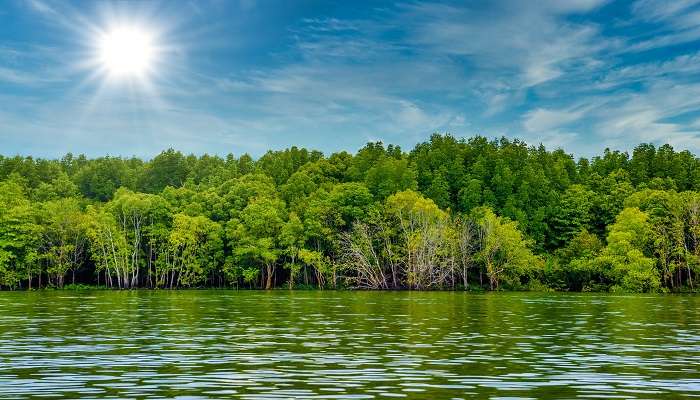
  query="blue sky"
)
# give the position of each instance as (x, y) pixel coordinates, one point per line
(247, 76)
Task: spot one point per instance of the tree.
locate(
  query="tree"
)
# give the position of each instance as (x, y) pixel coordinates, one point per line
(117, 233)
(577, 272)
(667, 218)
(571, 214)
(389, 176)
(100, 178)
(504, 252)
(64, 238)
(364, 258)
(425, 238)
(195, 249)
(109, 248)
(349, 202)
(238, 193)
(292, 242)
(624, 258)
(297, 189)
(19, 235)
(365, 159)
(134, 212)
(168, 168)
(466, 240)
(255, 237)
(610, 194)
(59, 187)
(439, 190)
(470, 195)
(450, 213)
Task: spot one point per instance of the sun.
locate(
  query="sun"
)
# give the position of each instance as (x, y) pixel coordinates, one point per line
(126, 52)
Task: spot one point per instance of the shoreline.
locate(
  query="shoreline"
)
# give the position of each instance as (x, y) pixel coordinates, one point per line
(338, 290)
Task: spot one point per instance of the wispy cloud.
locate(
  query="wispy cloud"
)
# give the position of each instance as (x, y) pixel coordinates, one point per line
(501, 37)
(541, 119)
(659, 10)
(674, 22)
(32, 66)
(561, 73)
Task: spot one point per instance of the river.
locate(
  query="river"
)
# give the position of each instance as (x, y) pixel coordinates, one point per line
(314, 344)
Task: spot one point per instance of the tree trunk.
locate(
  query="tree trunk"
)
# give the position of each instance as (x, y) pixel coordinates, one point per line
(268, 283)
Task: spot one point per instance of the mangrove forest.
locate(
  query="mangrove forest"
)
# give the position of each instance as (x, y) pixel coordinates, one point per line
(451, 214)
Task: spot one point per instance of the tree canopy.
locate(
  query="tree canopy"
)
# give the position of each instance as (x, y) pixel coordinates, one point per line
(449, 214)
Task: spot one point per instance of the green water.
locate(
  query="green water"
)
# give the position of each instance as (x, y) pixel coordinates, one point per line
(347, 345)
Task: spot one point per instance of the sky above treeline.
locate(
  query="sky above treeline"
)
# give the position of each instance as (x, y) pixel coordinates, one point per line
(235, 76)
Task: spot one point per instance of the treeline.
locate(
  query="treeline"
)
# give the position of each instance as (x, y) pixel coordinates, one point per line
(450, 214)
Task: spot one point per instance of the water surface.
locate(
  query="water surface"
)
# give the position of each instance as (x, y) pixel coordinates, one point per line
(347, 345)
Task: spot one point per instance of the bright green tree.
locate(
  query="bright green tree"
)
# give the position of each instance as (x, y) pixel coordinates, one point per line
(64, 238)
(19, 235)
(504, 252)
(255, 237)
(625, 258)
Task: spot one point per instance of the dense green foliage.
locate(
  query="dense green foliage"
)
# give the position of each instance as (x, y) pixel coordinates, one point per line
(450, 214)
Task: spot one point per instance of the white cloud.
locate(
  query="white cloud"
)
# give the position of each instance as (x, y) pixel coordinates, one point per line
(656, 10)
(541, 120)
(683, 67)
(410, 69)
(41, 7)
(502, 40)
(555, 139)
(676, 23)
(648, 116)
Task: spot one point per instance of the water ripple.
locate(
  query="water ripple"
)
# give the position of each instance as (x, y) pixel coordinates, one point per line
(347, 345)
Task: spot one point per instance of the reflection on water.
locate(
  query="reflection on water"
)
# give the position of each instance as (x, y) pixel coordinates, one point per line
(347, 345)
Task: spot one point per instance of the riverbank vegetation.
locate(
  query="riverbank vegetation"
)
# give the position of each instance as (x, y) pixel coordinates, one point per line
(449, 214)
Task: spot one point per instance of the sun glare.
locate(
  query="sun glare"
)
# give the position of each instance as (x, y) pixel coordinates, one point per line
(126, 52)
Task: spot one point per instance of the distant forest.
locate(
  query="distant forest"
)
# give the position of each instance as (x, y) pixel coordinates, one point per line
(455, 214)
